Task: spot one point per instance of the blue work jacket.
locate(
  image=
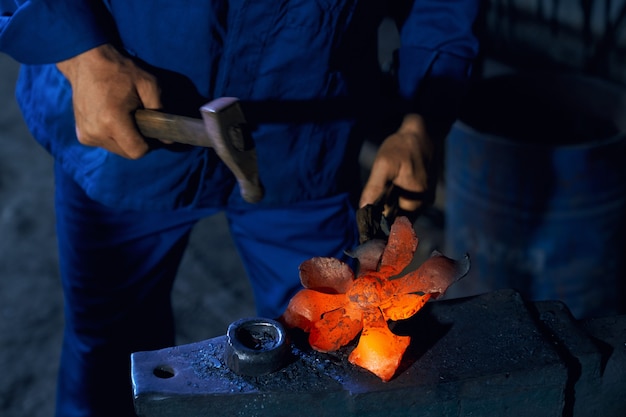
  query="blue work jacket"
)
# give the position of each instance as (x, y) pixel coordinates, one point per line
(306, 71)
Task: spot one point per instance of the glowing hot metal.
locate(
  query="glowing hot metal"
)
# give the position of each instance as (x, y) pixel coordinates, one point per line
(336, 306)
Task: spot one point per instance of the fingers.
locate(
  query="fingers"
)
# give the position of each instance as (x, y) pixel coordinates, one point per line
(393, 197)
(401, 202)
(109, 123)
(107, 89)
(148, 90)
(385, 190)
(376, 188)
(399, 176)
(120, 138)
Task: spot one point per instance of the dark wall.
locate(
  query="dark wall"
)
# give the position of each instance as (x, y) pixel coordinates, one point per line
(583, 36)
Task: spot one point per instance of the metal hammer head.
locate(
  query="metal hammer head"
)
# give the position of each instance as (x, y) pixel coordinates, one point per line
(224, 128)
(231, 140)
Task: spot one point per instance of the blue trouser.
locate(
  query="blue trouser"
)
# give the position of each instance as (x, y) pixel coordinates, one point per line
(118, 267)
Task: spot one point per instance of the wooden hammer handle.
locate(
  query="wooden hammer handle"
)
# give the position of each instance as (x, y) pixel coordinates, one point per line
(172, 128)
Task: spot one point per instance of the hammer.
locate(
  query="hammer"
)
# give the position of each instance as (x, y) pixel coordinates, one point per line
(222, 127)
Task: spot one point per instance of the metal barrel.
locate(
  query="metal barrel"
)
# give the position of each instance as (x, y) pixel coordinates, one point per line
(535, 183)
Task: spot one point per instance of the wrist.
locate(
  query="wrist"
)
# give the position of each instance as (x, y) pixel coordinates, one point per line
(91, 57)
(413, 123)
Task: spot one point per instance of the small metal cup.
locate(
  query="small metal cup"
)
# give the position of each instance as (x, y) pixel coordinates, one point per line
(256, 346)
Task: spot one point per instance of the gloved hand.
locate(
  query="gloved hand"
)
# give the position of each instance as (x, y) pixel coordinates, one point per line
(107, 88)
(400, 174)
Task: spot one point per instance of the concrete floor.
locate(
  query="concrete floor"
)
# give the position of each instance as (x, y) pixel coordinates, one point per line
(30, 296)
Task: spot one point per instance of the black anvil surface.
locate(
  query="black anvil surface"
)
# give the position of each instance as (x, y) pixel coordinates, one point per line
(492, 354)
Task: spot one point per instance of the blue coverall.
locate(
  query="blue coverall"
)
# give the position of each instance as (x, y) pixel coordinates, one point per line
(307, 74)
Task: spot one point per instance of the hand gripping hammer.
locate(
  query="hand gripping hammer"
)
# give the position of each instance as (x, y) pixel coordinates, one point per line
(222, 127)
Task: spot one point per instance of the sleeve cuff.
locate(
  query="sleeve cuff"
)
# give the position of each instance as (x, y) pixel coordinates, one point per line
(44, 32)
(432, 83)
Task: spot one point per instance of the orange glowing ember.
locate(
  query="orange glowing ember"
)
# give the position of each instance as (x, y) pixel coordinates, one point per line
(334, 306)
